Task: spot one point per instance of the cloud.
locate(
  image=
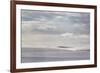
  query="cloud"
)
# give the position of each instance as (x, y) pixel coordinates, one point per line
(39, 27)
(67, 34)
(52, 29)
(55, 22)
(46, 27)
(72, 35)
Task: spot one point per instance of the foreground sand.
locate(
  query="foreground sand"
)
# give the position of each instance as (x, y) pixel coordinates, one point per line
(48, 54)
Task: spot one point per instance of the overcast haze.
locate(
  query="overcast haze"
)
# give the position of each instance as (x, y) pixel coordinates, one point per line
(54, 28)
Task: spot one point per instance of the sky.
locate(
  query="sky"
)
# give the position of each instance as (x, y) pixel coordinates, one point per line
(55, 28)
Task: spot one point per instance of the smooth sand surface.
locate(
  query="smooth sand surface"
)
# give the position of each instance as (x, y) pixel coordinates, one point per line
(48, 54)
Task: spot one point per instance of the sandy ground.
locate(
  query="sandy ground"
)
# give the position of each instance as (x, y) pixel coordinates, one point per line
(48, 54)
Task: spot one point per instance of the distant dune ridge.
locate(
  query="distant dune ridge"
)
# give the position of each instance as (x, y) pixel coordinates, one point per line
(67, 48)
(63, 47)
(72, 48)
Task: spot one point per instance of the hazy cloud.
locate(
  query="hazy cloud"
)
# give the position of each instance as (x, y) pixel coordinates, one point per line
(53, 22)
(55, 28)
